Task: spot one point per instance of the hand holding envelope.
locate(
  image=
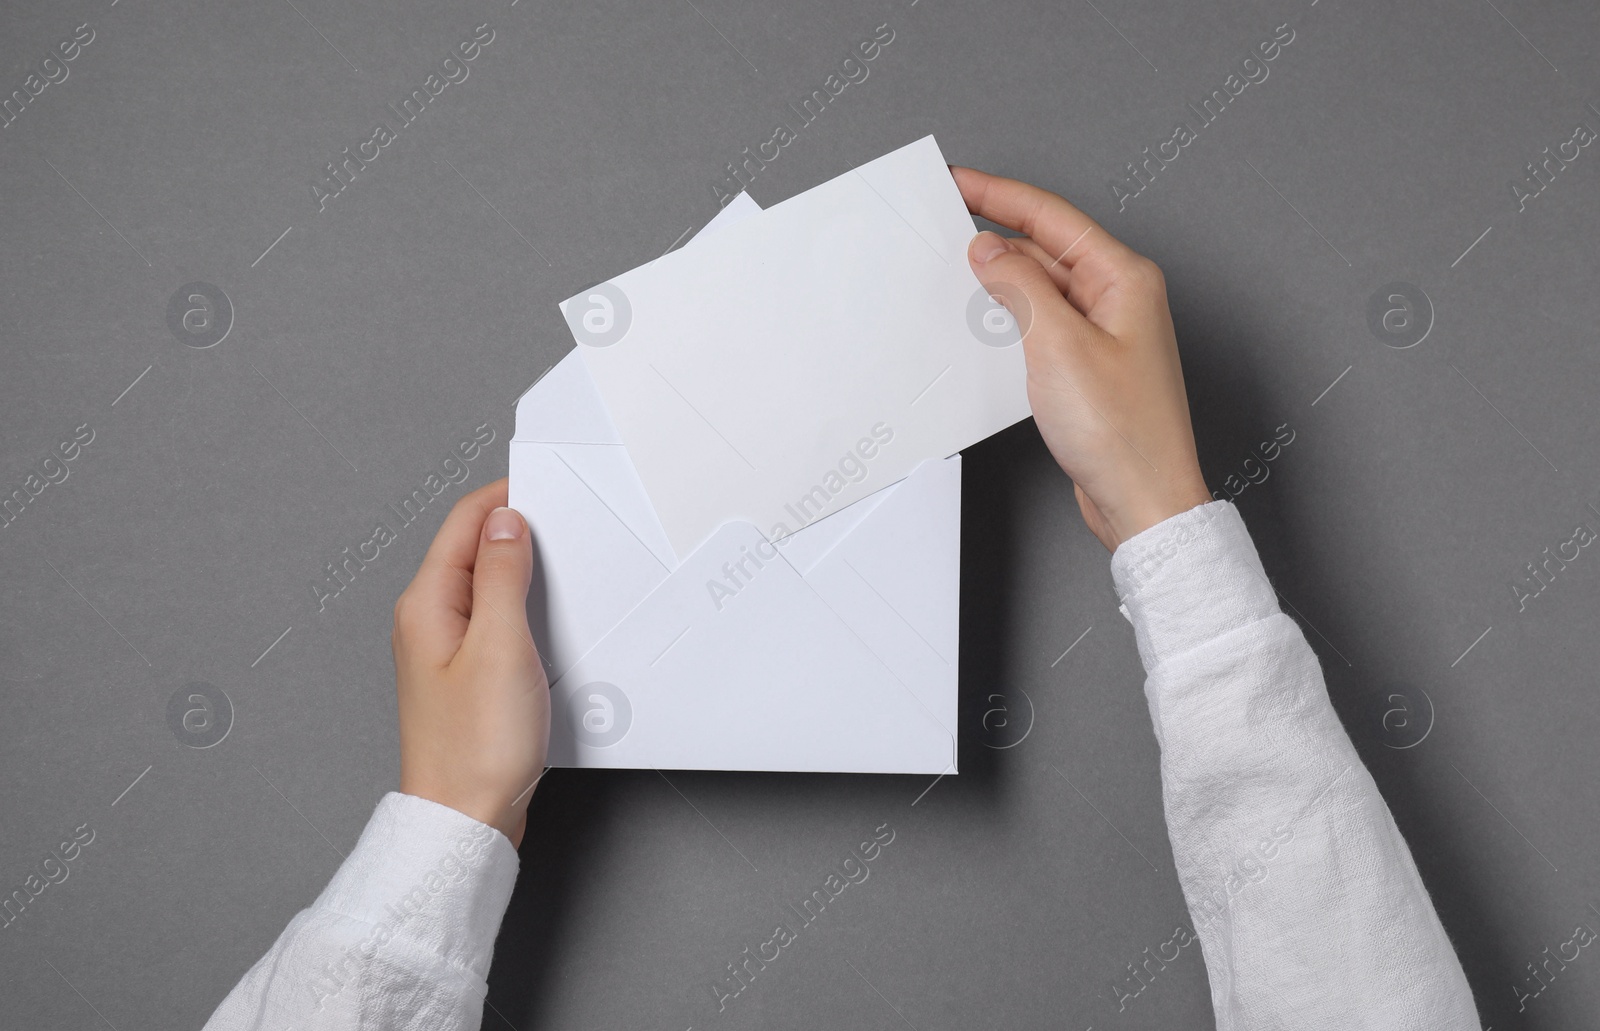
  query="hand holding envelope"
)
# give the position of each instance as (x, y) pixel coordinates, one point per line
(744, 491)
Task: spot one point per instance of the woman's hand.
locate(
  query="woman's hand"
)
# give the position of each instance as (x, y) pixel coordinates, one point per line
(1104, 379)
(474, 699)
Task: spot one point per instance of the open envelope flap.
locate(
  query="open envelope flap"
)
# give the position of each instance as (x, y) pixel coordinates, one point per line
(590, 568)
(564, 413)
(763, 677)
(806, 547)
(896, 580)
(564, 406)
(589, 519)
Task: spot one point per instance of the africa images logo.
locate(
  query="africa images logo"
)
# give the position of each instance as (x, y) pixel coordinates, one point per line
(200, 714)
(199, 314)
(598, 714)
(602, 317)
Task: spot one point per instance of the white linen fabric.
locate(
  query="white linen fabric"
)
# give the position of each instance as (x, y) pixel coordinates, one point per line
(400, 939)
(1309, 910)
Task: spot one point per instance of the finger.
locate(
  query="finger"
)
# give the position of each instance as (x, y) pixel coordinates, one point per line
(500, 578)
(1059, 274)
(438, 602)
(1083, 287)
(1066, 233)
(1020, 282)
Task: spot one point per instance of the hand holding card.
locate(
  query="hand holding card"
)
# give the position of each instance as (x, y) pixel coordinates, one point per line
(752, 374)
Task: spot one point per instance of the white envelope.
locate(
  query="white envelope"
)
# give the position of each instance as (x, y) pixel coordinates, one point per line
(742, 370)
(832, 651)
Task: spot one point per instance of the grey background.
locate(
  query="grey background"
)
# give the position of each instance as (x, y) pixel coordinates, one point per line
(422, 301)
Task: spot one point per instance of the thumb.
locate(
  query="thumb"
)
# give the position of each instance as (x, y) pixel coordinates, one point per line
(500, 578)
(1044, 317)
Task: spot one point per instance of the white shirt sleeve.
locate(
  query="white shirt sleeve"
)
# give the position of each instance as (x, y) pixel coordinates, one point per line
(401, 938)
(1308, 908)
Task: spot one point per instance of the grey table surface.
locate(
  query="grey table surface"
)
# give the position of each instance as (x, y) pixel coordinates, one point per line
(180, 494)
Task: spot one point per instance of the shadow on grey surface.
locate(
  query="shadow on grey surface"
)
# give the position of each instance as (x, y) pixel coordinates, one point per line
(538, 607)
(571, 811)
(990, 472)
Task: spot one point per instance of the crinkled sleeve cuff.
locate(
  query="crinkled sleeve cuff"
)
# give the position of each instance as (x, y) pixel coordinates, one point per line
(1189, 579)
(431, 876)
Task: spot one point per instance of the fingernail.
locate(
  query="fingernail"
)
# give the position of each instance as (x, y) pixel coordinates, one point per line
(986, 245)
(504, 524)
